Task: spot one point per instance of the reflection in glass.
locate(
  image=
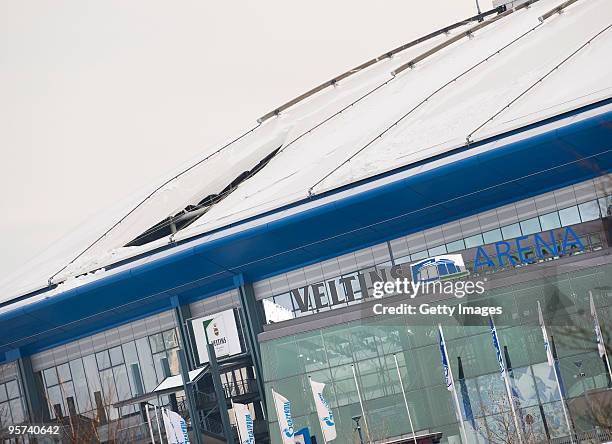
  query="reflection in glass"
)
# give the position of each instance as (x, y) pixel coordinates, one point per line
(530, 226)
(511, 231)
(589, 210)
(550, 221)
(569, 216)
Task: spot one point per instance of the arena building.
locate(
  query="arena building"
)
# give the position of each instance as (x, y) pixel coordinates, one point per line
(478, 153)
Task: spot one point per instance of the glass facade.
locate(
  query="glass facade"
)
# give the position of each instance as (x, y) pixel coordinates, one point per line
(91, 384)
(328, 354)
(12, 409)
(350, 289)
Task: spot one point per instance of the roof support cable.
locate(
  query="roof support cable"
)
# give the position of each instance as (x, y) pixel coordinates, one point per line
(537, 82)
(411, 64)
(50, 280)
(418, 105)
(387, 55)
(556, 10)
(277, 112)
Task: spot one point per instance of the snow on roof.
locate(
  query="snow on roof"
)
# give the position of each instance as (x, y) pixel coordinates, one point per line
(513, 70)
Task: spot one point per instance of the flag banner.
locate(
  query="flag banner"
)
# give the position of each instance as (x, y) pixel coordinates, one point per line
(500, 359)
(176, 427)
(549, 355)
(447, 377)
(324, 412)
(285, 421)
(601, 348)
(244, 421)
(467, 404)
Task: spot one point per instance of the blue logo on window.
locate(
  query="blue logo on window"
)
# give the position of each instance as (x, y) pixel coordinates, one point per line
(438, 268)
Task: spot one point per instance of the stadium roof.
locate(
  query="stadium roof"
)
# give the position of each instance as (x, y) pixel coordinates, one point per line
(454, 90)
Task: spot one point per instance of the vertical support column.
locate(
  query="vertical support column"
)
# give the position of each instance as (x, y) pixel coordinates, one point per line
(253, 320)
(184, 369)
(219, 392)
(36, 409)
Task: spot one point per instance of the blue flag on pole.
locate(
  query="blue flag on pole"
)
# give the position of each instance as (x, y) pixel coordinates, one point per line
(500, 359)
(447, 378)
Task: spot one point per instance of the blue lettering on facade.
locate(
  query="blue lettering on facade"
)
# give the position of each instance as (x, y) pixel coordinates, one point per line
(545, 244)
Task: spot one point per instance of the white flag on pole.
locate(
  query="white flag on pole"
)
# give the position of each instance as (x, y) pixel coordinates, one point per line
(176, 427)
(600, 343)
(285, 421)
(324, 412)
(549, 355)
(244, 420)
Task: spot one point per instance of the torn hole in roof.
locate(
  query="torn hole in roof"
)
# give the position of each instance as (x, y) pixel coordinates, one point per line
(190, 213)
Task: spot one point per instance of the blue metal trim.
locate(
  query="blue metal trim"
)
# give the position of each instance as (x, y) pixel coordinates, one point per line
(573, 153)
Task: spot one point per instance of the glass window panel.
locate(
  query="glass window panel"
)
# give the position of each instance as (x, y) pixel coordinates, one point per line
(129, 353)
(56, 404)
(16, 410)
(589, 210)
(455, 246)
(569, 216)
(12, 389)
(511, 231)
(170, 339)
(493, 394)
(523, 387)
(545, 382)
(63, 372)
(157, 343)
(437, 250)
(555, 420)
(419, 255)
(5, 413)
(474, 241)
(534, 429)
(550, 221)
(68, 392)
(103, 359)
(605, 205)
(173, 361)
(147, 367)
(530, 226)
(159, 367)
(492, 236)
(50, 377)
(116, 355)
(91, 373)
(109, 387)
(284, 300)
(3, 394)
(80, 385)
(121, 381)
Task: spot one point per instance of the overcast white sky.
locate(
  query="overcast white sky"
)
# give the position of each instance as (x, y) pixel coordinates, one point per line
(98, 98)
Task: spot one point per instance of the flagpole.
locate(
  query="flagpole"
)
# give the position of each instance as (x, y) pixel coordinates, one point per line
(598, 333)
(399, 375)
(149, 424)
(236, 418)
(549, 353)
(161, 437)
(506, 379)
(321, 427)
(365, 420)
(454, 390)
